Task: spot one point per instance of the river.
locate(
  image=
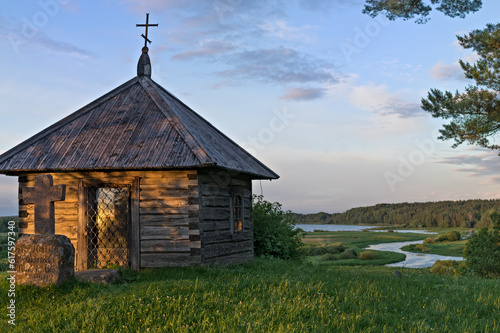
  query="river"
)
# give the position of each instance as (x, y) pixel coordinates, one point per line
(413, 260)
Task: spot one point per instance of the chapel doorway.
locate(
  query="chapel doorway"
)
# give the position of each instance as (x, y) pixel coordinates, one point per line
(108, 225)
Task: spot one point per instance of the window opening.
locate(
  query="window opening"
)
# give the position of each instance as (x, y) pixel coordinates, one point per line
(237, 213)
(107, 228)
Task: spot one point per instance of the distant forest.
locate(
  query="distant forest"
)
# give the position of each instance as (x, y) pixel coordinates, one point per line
(444, 214)
(4, 226)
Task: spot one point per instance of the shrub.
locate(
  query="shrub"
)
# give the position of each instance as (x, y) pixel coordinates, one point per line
(367, 255)
(328, 257)
(416, 247)
(447, 267)
(453, 236)
(482, 253)
(429, 240)
(349, 254)
(335, 248)
(440, 238)
(274, 231)
(421, 247)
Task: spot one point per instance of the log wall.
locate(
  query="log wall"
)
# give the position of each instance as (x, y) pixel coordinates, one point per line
(218, 243)
(167, 213)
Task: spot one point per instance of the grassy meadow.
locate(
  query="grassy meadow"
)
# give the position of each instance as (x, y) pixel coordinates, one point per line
(269, 295)
(359, 239)
(266, 295)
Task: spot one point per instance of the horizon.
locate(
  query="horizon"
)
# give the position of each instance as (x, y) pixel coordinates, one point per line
(325, 96)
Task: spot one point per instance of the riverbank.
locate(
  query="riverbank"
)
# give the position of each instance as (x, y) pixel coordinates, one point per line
(384, 248)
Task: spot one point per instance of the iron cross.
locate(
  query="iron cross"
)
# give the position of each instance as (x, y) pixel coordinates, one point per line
(43, 196)
(146, 40)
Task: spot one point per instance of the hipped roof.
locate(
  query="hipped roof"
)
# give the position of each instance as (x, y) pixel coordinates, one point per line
(138, 125)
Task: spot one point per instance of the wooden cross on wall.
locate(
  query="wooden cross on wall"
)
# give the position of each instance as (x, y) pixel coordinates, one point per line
(146, 40)
(43, 196)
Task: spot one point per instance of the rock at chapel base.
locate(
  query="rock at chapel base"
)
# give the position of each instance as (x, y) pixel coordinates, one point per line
(42, 260)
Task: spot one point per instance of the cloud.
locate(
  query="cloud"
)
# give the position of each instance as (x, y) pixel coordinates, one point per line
(442, 71)
(400, 108)
(326, 5)
(207, 49)
(143, 6)
(280, 29)
(376, 99)
(303, 94)
(280, 65)
(28, 37)
(484, 163)
(53, 45)
(239, 39)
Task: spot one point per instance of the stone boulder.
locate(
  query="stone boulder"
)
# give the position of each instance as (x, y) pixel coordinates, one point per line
(42, 260)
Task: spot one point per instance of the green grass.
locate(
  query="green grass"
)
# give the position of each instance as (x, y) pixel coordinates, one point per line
(359, 239)
(381, 258)
(263, 296)
(455, 249)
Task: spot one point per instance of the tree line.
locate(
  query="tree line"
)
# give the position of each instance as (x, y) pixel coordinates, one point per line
(4, 226)
(444, 214)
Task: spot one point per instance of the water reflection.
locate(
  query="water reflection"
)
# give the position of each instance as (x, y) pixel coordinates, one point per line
(413, 260)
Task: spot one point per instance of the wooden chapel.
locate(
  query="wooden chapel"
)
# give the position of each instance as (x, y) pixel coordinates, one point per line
(149, 182)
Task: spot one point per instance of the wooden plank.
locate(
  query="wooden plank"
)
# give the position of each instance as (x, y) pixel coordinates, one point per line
(223, 236)
(167, 211)
(211, 190)
(153, 246)
(108, 180)
(215, 225)
(195, 245)
(70, 231)
(135, 240)
(167, 222)
(149, 230)
(228, 248)
(163, 237)
(167, 182)
(168, 259)
(215, 201)
(160, 203)
(167, 194)
(161, 219)
(81, 260)
(212, 213)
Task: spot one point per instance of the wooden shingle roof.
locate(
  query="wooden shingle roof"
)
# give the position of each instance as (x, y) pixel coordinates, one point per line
(138, 125)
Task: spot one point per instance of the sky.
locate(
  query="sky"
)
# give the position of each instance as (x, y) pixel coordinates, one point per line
(327, 97)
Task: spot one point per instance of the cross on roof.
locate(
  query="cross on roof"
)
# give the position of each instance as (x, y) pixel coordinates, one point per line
(43, 196)
(146, 40)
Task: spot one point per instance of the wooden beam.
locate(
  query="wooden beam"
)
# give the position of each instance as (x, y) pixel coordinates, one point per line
(135, 238)
(81, 260)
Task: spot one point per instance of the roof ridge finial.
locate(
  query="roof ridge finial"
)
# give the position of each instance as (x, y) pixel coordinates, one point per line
(144, 64)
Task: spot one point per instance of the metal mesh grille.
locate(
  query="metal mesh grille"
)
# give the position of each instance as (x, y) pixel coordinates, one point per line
(107, 229)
